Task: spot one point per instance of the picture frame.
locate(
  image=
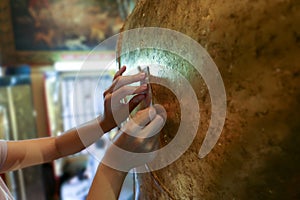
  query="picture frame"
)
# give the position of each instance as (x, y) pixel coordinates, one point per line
(41, 32)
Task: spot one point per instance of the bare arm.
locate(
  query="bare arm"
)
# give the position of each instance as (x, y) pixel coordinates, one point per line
(114, 167)
(107, 183)
(26, 153)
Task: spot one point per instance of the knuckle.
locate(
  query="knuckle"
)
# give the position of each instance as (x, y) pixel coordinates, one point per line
(118, 79)
(139, 114)
(107, 98)
(105, 93)
(117, 75)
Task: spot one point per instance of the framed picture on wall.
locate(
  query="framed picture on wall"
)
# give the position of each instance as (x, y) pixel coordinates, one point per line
(43, 31)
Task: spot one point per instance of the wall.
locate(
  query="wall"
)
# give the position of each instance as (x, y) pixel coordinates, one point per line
(255, 45)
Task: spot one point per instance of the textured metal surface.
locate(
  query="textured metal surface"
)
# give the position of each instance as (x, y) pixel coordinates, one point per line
(256, 47)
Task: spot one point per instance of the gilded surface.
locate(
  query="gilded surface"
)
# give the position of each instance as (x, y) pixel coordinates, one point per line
(255, 45)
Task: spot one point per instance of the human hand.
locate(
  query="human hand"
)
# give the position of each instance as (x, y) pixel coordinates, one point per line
(115, 112)
(138, 136)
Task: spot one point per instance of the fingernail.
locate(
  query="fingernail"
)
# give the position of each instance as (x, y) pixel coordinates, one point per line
(152, 113)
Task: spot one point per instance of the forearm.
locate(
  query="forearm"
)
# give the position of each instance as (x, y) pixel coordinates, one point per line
(26, 153)
(79, 138)
(107, 183)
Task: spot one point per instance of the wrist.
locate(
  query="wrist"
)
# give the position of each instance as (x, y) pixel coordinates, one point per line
(115, 172)
(118, 159)
(104, 125)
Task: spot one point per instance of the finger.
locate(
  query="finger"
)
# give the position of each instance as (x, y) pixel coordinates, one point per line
(152, 128)
(136, 124)
(135, 101)
(106, 92)
(127, 90)
(120, 81)
(148, 100)
(143, 117)
(160, 110)
(131, 128)
(120, 72)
